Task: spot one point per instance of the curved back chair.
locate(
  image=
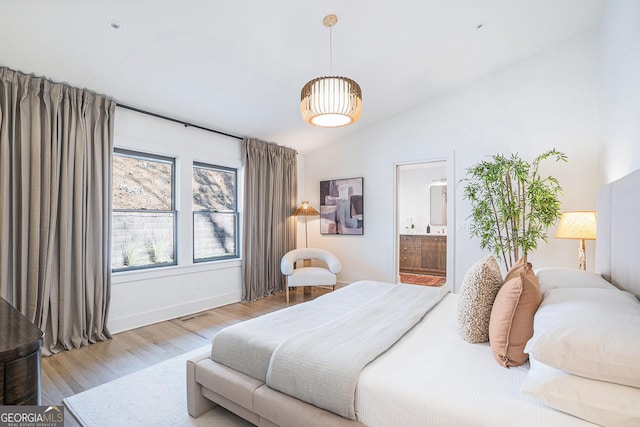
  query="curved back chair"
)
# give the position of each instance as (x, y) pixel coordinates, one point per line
(307, 275)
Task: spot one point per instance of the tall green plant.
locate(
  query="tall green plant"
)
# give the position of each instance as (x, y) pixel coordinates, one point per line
(512, 204)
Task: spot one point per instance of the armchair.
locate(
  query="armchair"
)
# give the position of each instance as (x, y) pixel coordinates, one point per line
(309, 276)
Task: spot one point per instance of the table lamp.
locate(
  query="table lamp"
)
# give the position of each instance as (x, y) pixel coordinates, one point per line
(305, 210)
(578, 225)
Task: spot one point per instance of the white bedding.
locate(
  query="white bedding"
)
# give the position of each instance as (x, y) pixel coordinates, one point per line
(247, 346)
(315, 351)
(321, 366)
(432, 377)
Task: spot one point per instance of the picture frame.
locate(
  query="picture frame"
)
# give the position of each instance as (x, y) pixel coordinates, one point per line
(342, 206)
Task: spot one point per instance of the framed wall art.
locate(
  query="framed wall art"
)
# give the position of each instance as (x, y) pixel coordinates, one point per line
(341, 206)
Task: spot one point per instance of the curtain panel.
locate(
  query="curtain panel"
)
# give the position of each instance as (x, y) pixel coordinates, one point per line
(269, 232)
(56, 144)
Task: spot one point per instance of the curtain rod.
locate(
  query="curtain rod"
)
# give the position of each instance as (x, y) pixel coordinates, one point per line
(186, 124)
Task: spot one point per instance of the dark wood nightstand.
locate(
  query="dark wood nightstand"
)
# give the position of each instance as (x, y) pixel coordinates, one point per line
(20, 342)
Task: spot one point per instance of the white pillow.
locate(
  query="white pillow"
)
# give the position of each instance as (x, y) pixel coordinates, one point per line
(600, 402)
(558, 277)
(594, 333)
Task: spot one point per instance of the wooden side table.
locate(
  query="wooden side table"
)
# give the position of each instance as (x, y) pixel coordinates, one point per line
(20, 342)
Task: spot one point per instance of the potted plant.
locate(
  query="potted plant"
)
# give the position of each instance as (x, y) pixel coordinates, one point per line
(512, 204)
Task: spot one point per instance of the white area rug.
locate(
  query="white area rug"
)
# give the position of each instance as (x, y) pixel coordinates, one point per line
(155, 396)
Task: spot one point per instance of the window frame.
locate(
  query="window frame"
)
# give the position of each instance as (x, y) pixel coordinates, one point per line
(234, 212)
(153, 157)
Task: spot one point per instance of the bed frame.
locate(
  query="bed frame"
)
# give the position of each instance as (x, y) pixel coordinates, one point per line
(210, 384)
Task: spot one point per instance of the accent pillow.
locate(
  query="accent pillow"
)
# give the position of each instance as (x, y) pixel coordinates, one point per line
(479, 288)
(594, 333)
(557, 277)
(599, 402)
(521, 266)
(511, 323)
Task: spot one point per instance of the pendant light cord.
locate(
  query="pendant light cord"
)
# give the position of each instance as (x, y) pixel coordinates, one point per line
(331, 50)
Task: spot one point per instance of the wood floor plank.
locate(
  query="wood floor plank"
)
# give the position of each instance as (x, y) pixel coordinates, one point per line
(70, 372)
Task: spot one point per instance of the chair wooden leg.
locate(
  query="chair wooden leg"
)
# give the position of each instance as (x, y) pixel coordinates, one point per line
(334, 287)
(287, 292)
(307, 290)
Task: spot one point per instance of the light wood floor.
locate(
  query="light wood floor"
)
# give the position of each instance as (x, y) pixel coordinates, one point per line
(70, 372)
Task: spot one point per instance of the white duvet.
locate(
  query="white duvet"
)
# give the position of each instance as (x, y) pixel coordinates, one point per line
(432, 377)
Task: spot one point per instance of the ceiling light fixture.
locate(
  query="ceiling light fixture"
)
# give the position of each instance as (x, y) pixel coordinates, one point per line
(331, 101)
(116, 25)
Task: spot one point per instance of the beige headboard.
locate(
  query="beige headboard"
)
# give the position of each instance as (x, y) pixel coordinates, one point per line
(618, 235)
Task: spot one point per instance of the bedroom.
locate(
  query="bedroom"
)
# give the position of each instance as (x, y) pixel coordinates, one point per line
(581, 97)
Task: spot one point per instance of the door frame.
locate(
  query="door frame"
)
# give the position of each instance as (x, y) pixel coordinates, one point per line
(449, 158)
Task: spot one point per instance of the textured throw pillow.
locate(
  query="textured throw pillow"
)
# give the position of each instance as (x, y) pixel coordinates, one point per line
(600, 402)
(479, 288)
(511, 323)
(594, 333)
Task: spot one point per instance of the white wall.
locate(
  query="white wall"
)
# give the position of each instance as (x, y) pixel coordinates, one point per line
(620, 89)
(148, 296)
(547, 101)
(414, 199)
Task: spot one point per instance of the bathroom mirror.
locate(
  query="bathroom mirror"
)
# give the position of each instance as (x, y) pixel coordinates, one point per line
(438, 204)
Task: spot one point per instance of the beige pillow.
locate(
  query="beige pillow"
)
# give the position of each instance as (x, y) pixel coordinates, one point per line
(479, 288)
(521, 266)
(511, 323)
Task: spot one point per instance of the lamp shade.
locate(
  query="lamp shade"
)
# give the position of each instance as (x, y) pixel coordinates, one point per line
(577, 225)
(305, 209)
(331, 101)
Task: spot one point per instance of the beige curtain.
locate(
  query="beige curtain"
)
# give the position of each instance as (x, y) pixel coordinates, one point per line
(56, 144)
(270, 189)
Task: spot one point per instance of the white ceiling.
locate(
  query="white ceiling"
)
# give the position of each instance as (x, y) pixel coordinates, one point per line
(238, 65)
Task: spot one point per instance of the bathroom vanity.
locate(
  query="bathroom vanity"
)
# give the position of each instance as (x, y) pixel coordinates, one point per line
(423, 254)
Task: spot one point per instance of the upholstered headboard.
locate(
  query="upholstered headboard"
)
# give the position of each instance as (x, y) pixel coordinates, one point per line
(618, 235)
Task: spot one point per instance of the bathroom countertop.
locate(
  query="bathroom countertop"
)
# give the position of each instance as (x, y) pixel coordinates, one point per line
(423, 234)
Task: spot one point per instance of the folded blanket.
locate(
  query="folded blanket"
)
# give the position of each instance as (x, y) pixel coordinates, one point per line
(321, 366)
(247, 346)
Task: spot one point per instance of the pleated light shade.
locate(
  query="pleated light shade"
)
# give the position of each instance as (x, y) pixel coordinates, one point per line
(305, 209)
(331, 102)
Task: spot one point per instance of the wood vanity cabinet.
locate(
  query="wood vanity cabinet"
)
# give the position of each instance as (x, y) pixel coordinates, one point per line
(423, 254)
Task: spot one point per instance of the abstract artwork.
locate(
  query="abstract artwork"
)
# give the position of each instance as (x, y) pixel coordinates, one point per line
(341, 206)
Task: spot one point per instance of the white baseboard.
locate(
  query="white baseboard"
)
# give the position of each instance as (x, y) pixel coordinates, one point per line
(137, 320)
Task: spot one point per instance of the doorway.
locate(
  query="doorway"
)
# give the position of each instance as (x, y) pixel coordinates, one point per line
(422, 229)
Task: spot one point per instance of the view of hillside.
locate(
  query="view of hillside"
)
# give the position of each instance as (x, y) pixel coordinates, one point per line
(139, 184)
(142, 237)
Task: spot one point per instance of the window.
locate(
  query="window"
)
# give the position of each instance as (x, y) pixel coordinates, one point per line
(215, 214)
(144, 216)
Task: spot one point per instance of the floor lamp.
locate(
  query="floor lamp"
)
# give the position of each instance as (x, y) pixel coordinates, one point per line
(305, 210)
(578, 225)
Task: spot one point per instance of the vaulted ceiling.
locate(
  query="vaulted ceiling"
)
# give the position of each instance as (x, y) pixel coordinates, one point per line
(238, 65)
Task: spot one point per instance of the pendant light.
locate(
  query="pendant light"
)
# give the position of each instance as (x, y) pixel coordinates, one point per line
(331, 101)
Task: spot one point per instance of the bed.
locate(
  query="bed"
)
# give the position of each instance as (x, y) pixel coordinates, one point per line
(431, 376)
